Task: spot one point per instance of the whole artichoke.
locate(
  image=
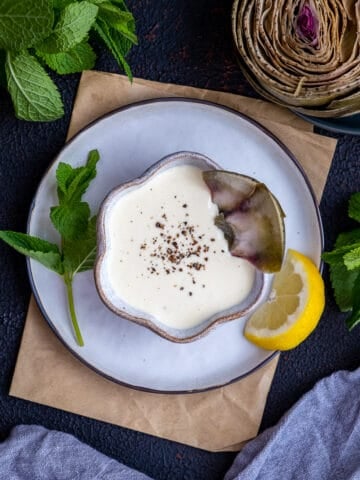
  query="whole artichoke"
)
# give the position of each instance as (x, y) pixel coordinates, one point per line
(302, 54)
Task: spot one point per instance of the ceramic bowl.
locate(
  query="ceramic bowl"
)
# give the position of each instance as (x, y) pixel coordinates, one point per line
(123, 309)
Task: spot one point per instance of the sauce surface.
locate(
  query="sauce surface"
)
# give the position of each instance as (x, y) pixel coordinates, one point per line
(166, 255)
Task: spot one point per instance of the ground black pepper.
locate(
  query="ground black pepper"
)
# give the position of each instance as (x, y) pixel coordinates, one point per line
(175, 247)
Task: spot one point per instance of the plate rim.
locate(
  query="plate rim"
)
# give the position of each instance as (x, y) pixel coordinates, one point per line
(114, 112)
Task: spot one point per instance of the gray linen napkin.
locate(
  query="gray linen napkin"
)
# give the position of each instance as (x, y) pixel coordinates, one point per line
(34, 453)
(319, 438)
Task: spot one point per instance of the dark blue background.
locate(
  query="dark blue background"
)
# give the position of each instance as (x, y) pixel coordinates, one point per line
(186, 42)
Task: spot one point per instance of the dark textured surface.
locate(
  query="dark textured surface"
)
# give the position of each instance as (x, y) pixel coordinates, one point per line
(183, 42)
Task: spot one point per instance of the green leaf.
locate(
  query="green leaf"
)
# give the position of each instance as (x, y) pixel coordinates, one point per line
(348, 238)
(60, 4)
(354, 207)
(342, 281)
(116, 43)
(72, 27)
(64, 174)
(121, 4)
(2, 68)
(73, 182)
(24, 23)
(71, 216)
(354, 318)
(79, 58)
(70, 220)
(120, 20)
(352, 259)
(337, 255)
(41, 250)
(34, 94)
(80, 255)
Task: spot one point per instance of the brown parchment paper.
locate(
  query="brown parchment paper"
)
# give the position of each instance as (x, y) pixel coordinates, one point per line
(219, 420)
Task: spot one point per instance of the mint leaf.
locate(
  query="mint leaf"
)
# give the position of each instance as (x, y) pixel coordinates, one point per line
(348, 238)
(79, 58)
(338, 254)
(41, 250)
(116, 43)
(71, 216)
(70, 219)
(72, 27)
(120, 20)
(354, 207)
(73, 182)
(23, 23)
(342, 281)
(354, 318)
(60, 4)
(2, 68)
(34, 95)
(352, 259)
(80, 255)
(121, 3)
(65, 173)
(78, 232)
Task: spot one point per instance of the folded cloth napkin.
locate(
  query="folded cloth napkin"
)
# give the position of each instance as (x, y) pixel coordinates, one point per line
(318, 438)
(35, 453)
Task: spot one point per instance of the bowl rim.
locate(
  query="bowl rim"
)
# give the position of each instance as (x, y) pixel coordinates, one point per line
(218, 318)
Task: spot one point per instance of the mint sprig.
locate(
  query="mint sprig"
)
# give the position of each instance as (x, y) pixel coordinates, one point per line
(74, 23)
(40, 34)
(80, 57)
(77, 228)
(23, 23)
(344, 263)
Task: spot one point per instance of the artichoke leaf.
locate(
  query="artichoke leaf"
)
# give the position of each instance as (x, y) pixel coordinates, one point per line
(250, 217)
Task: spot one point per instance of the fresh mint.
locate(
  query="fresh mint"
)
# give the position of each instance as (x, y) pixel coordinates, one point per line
(24, 23)
(81, 57)
(41, 250)
(116, 43)
(71, 217)
(34, 94)
(344, 263)
(122, 21)
(3, 81)
(354, 207)
(77, 228)
(40, 34)
(74, 24)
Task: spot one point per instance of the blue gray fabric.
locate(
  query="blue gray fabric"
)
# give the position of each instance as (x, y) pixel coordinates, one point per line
(34, 453)
(319, 438)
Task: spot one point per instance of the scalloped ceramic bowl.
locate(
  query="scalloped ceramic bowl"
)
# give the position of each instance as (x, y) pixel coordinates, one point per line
(115, 303)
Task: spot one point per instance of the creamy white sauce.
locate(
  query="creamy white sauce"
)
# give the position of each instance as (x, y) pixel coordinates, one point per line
(167, 257)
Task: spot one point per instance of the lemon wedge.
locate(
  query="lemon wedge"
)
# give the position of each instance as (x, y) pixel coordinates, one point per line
(294, 306)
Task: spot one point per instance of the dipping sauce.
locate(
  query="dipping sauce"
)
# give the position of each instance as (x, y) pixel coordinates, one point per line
(166, 255)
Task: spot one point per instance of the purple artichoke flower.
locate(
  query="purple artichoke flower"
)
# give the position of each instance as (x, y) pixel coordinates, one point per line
(307, 24)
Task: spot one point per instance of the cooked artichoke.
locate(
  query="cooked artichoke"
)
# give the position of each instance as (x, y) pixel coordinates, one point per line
(250, 217)
(302, 54)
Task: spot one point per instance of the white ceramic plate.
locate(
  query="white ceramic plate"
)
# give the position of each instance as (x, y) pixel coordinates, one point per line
(129, 141)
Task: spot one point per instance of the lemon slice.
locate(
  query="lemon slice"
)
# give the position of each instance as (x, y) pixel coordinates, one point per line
(293, 309)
